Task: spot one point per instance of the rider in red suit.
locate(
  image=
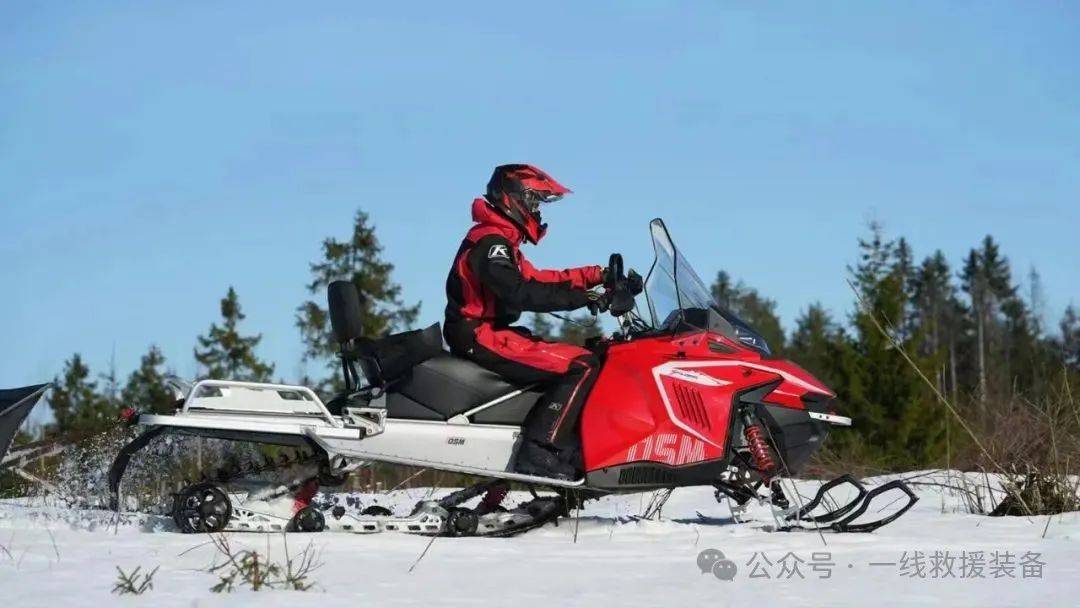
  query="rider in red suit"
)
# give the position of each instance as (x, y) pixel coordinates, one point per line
(491, 284)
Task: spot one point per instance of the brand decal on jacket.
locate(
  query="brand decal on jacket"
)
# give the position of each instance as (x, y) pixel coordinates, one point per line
(498, 251)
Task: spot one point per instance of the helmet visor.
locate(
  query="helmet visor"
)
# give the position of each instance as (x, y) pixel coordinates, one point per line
(532, 199)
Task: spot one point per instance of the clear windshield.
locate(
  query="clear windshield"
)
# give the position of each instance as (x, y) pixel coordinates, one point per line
(673, 287)
(672, 284)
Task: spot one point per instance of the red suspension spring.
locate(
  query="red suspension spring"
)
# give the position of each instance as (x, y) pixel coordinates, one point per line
(759, 450)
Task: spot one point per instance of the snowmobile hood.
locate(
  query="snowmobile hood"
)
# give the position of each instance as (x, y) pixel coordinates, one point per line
(484, 214)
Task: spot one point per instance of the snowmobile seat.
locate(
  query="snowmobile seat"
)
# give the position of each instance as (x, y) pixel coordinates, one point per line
(422, 380)
(444, 386)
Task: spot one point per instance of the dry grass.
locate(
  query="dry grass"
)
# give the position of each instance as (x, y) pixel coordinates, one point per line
(250, 569)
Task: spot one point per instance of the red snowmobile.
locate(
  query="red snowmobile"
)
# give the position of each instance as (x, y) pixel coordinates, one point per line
(688, 395)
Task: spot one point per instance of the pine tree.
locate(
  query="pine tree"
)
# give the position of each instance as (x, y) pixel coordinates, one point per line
(578, 329)
(725, 292)
(746, 303)
(814, 343)
(938, 316)
(542, 327)
(1070, 337)
(898, 417)
(987, 280)
(358, 259)
(77, 408)
(227, 355)
(904, 267)
(146, 389)
(875, 260)
(110, 390)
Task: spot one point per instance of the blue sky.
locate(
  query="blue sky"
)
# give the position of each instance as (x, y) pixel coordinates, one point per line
(153, 154)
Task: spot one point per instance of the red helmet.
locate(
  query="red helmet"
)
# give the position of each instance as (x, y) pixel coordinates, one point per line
(516, 191)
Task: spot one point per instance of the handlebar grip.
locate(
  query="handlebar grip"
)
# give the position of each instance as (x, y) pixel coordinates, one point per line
(615, 271)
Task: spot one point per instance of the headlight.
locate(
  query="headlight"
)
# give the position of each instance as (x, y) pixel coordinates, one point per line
(751, 339)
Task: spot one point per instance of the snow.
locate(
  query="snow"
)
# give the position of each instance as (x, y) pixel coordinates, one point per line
(53, 557)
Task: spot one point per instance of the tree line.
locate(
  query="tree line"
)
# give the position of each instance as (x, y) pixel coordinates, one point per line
(923, 333)
(973, 337)
(84, 403)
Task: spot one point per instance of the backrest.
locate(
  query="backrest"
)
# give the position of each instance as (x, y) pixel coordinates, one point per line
(346, 312)
(346, 323)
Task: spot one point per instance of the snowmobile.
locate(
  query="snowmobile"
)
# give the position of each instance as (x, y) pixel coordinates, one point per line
(688, 395)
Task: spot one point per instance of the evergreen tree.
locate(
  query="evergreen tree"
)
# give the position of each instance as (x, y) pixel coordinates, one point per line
(904, 267)
(814, 343)
(1070, 337)
(938, 315)
(1022, 361)
(750, 306)
(898, 417)
(1037, 302)
(227, 355)
(77, 407)
(875, 261)
(146, 389)
(542, 327)
(358, 259)
(725, 292)
(986, 279)
(579, 328)
(110, 390)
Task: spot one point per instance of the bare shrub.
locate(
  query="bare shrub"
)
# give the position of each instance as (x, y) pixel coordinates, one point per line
(255, 571)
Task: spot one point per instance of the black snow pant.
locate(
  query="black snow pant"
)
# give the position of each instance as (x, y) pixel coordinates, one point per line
(569, 372)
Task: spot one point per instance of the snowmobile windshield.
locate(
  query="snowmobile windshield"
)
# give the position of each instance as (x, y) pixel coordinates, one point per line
(676, 295)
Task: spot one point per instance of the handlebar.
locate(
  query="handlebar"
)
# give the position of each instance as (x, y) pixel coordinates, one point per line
(621, 288)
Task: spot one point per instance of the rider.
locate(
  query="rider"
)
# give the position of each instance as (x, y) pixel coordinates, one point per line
(491, 284)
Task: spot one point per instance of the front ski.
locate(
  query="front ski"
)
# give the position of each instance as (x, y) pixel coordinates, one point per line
(844, 518)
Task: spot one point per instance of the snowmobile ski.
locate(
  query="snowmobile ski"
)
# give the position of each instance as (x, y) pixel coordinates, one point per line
(844, 517)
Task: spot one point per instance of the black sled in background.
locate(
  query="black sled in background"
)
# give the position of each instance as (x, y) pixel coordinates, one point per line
(15, 406)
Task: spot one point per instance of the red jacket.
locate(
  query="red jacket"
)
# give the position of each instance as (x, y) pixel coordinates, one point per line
(491, 282)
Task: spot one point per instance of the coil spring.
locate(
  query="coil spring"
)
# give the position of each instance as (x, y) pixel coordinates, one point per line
(759, 450)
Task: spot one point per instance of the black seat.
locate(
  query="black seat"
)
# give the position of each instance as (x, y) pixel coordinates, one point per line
(445, 386)
(422, 381)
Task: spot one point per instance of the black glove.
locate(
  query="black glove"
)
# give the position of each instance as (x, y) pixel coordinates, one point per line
(598, 302)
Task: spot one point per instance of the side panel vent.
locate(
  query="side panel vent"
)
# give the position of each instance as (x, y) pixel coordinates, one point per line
(636, 476)
(692, 407)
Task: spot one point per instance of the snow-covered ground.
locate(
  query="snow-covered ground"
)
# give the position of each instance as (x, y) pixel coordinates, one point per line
(55, 558)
